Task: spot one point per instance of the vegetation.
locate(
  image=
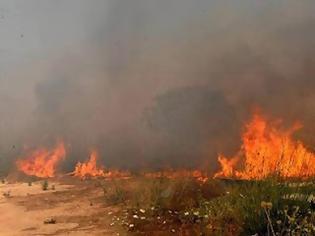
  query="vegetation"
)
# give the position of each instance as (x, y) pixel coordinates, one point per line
(266, 207)
(115, 192)
(45, 185)
(257, 207)
(7, 194)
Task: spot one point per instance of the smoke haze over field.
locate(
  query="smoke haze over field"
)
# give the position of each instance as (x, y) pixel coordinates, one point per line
(151, 83)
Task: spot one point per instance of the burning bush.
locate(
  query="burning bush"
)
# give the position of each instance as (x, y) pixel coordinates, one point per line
(42, 162)
(267, 150)
(89, 168)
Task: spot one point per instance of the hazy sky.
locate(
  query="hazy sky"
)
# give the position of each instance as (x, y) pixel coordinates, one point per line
(151, 82)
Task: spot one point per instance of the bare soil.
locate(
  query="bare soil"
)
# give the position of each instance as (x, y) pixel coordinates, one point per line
(77, 207)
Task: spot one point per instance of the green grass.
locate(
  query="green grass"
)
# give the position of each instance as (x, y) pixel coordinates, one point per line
(242, 206)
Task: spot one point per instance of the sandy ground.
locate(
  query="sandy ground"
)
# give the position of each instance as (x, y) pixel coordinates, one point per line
(77, 208)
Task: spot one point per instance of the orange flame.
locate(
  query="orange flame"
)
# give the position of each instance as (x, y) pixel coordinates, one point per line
(89, 168)
(42, 162)
(268, 150)
(176, 174)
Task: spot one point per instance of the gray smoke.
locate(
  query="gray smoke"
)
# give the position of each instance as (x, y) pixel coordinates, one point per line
(151, 83)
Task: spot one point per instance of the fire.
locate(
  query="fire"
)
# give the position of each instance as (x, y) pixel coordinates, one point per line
(268, 150)
(176, 174)
(89, 168)
(42, 162)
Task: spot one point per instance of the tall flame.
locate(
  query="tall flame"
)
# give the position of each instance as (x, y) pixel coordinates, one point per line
(42, 162)
(268, 150)
(89, 168)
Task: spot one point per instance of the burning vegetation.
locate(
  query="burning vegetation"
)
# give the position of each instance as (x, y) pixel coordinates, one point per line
(42, 162)
(89, 168)
(252, 193)
(148, 99)
(268, 150)
(175, 174)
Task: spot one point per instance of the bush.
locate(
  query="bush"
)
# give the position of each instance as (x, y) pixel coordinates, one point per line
(293, 221)
(115, 192)
(174, 203)
(45, 185)
(216, 207)
(173, 194)
(241, 206)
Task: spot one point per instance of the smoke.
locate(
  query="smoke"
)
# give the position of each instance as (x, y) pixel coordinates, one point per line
(151, 83)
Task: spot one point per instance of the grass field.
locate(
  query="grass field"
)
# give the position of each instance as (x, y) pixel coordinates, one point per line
(215, 207)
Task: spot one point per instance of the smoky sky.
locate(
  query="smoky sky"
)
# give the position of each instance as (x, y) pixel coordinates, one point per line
(151, 83)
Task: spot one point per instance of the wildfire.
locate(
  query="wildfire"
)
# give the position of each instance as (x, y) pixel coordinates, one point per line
(268, 150)
(42, 162)
(176, 174)
(89, 168)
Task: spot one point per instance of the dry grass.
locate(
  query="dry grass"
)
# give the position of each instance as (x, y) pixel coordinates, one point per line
(211, 208)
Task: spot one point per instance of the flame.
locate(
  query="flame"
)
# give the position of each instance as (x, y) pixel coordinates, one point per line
(268, 150)
(89, 168)
(42, 162)
(176, 174)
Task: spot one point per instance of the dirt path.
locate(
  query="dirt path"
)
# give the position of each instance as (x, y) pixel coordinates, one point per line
(78, 210)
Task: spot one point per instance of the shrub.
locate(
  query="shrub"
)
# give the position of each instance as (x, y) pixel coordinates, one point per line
(293, 221)
(45, 185)
(242, 208)
(115, 192)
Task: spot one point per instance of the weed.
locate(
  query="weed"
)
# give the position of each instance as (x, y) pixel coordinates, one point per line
(263, 207)
(7, 194)
(45, 185)
(114, 192)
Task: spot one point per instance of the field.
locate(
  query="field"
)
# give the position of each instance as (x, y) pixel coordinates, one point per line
(156, 206)
(77, 208)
